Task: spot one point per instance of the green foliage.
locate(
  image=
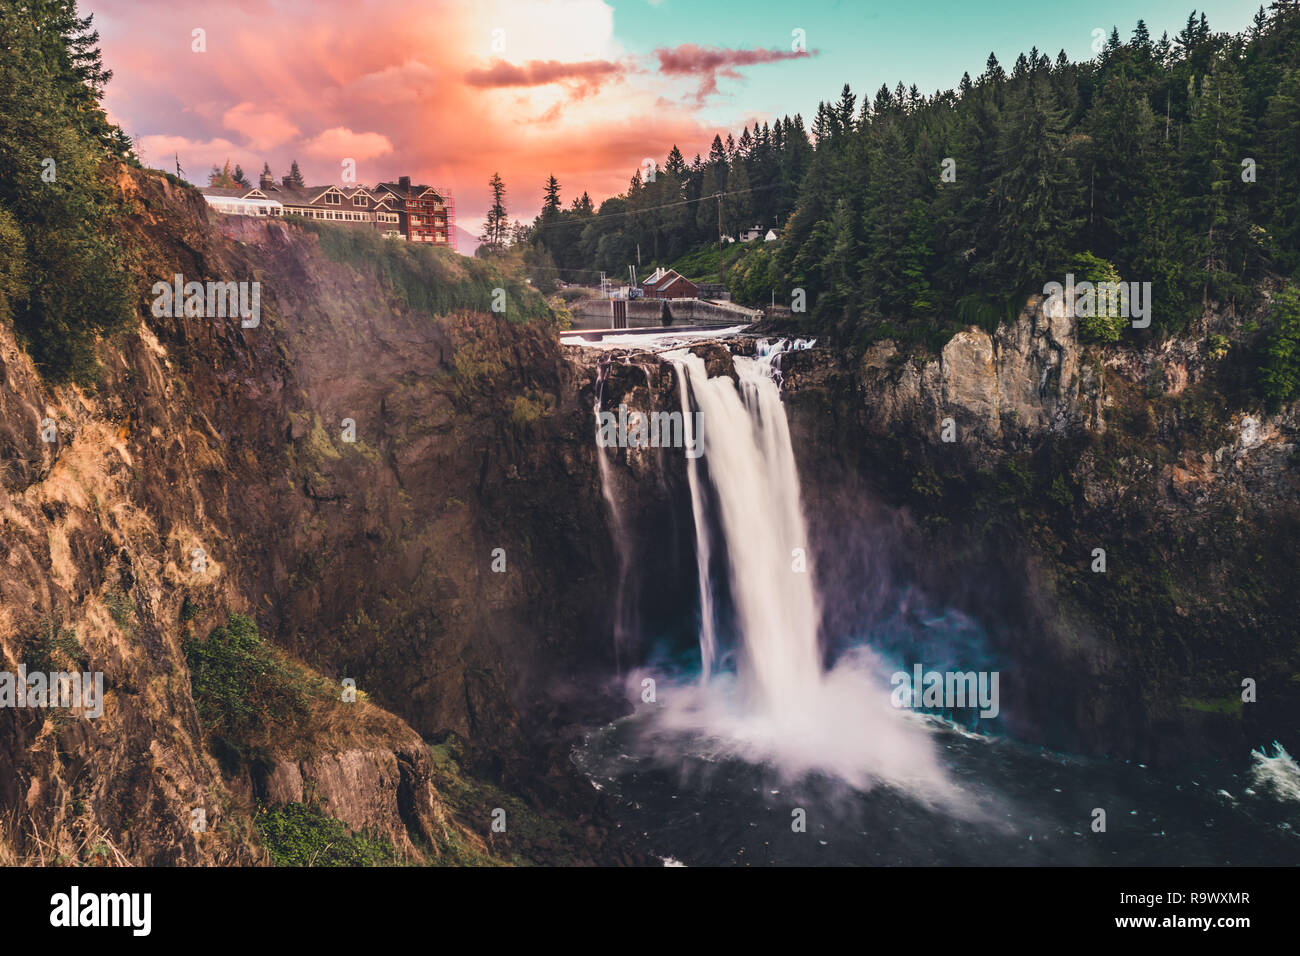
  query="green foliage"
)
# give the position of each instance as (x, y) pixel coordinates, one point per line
(428, 280)
(1107, 322)
(63, 278)
(1279, 373)
(122, 609)
(560, 309)
(241, 686)
(296, 834)
(53, 648)
(752, 278)
(906, 210)
(13, 265)
(981, 310)
(531, 407)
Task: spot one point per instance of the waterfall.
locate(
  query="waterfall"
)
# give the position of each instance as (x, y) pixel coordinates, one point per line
(780, 707)
(703, 550)
(616, 523)
(751, 468)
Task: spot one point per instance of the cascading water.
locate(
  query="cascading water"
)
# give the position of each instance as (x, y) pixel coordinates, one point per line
(746, 443)
(616, 521)
(710, 767)
(781, 708)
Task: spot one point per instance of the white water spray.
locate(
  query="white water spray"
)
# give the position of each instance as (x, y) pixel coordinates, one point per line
(746, 443)
(783, 709)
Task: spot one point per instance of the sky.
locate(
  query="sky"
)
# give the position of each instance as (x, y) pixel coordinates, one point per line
(587, 90)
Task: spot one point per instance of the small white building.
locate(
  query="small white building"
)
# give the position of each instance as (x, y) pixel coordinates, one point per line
(749, 235)
(242, 202)
(771, 236)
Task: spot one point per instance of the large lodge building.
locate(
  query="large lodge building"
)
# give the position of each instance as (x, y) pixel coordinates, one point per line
(400, 210)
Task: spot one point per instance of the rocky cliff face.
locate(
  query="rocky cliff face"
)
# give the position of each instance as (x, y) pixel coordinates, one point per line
(210, 472)
(454, 558)
(1151, 454)
(1006, 390)
(1058, 451)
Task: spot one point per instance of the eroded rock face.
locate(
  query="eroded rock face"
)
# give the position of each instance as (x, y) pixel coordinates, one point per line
(385, 792)
(1061, 448)
(1004, 390)
(369, 559)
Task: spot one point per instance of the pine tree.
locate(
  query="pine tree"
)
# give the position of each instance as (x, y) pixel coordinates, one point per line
(551, 197)
(706, 214)
(1038, 189)
(1214, 207)
(295, 175)
(495, 227)
(223, 178)
(1281, 131)
(737, 208)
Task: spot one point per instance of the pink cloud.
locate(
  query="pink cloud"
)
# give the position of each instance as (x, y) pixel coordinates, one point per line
(313, 81)
(708, 63)
(263, 130)
(161, 150)
(588, 73)
(341, 142)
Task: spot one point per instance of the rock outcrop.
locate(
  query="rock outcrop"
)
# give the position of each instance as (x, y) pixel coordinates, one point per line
(210, 471)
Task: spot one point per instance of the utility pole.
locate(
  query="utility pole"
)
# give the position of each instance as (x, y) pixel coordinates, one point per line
(719, 195)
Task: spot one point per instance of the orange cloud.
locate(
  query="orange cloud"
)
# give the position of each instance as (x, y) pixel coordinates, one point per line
(263, 130)
(341, 142)
(540, 72)
(293, 79)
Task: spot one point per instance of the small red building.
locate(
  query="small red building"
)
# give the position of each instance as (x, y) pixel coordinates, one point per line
(669, 284)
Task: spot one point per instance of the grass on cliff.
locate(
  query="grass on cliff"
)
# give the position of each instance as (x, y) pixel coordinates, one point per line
(248, 695)
(430, 280)
(297, 834)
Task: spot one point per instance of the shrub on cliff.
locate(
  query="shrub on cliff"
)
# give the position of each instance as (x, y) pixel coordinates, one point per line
(299, 835)
(241, 687)
(1279, 373)
(1107, 324)
(429, 280)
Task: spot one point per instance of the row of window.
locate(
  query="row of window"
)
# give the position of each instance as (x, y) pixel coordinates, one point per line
(340, 216)
(235, 207)
(334, 199)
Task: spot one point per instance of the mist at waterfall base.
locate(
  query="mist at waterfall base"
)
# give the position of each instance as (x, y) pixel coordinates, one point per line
(761, 723)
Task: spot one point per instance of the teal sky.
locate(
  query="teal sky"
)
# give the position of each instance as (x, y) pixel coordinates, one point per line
(866, 43)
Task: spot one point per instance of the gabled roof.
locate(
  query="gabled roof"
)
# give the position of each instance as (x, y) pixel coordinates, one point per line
(306, 195)
(417, 190)
(241, 192)
(663, 279)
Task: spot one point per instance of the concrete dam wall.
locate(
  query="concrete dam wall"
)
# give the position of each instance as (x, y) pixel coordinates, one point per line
(643, 313)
